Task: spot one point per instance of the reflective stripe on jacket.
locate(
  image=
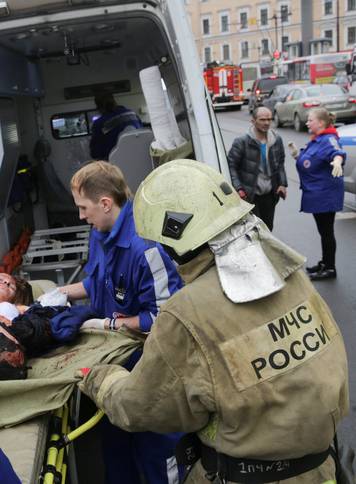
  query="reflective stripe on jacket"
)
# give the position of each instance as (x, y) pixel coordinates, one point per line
(127, 274)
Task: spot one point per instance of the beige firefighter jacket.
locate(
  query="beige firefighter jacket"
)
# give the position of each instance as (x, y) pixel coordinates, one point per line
(265, 379)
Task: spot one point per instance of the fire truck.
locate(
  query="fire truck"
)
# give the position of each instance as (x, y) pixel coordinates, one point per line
(225, 85)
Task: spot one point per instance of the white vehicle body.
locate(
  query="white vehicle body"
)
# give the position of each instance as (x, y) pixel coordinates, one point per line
(347, 135)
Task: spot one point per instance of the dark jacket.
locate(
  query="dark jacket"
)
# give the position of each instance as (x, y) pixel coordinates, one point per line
(244, 162)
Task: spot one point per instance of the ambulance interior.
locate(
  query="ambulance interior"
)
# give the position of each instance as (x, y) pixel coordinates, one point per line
(50, 73)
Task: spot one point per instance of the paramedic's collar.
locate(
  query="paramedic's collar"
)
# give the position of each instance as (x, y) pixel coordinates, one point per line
(123, 230)
(251, 262)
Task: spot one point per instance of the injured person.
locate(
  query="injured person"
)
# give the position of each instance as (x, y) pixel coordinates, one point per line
(29, 329)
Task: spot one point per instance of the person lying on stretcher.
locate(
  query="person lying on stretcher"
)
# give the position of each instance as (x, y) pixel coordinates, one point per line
(29, 328)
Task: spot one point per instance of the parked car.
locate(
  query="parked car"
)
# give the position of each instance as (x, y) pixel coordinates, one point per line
(347, 135)
(261, 89)
(277, 94)
(302, 98)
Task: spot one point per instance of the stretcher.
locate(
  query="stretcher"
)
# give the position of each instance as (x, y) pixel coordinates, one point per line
(41, 450)
(37, 409)
(58, 250)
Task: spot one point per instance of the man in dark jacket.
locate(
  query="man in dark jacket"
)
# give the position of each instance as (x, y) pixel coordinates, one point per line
(113, 120)
(256, 162)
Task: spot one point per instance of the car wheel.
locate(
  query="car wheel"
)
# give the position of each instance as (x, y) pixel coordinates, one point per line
(277, 121)
(298, 125)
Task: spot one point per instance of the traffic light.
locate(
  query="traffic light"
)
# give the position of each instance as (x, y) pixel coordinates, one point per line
(276, 54)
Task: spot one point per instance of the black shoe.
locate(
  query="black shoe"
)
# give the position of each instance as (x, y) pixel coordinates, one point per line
(322, 274)
(315, 268)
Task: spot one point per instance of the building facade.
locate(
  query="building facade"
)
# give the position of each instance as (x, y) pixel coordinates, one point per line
(250, 33)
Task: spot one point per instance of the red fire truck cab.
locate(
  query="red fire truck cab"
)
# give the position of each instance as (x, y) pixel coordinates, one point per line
(225, 85)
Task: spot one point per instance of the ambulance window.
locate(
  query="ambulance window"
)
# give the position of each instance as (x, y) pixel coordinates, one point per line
(69, 125)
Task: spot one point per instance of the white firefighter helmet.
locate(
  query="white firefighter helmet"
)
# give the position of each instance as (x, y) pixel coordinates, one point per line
(185, 203)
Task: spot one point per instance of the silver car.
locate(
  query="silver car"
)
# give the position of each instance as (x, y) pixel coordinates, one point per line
(294, 109)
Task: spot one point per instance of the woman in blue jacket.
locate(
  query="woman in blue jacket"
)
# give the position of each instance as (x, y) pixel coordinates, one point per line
(320, 171)
(128, 279)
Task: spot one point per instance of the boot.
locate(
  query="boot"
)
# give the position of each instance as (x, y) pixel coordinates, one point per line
(315, 268)
(323, 273)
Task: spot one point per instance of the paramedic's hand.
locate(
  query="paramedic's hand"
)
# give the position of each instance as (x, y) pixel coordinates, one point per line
(337, 167)
(99, 380)
(55, 297)
(96, 323)
(282, 192)
(242, 194)
(293, 150)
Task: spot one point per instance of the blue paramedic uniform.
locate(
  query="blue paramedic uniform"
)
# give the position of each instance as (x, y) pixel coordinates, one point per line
(7, 473)
(107, 128)
(321, 192)
(132, 277)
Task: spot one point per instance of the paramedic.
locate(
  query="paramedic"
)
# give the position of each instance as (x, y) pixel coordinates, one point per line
(106, 130)
(128, 279)
(247, 355)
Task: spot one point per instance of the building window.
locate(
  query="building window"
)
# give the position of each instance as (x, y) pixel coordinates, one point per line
(264, 16)
(226, 52)
(224, 23)
(351, 5)
(244, 49)
(328, 34)
(264, 47)
(285, 41)
(243, 20)
(328, 7)
(206, 26)
(351, 35)
(207, 54)
(284, 13)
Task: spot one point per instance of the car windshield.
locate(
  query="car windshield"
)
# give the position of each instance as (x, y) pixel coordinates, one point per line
(268, 84)
(324, 90)
(283, 89)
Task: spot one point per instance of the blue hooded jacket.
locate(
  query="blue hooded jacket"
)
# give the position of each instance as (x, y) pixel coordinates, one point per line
(321, 192)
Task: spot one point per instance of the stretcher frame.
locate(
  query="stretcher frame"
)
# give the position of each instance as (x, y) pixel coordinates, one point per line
(60, 454)
(45, 246)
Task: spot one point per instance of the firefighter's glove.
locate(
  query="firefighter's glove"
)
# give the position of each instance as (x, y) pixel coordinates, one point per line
(336, 167)
(293, 150)
(99, 382)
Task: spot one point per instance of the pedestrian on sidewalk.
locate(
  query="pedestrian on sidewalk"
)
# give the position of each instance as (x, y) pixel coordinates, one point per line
(256, 162)
(320, 169)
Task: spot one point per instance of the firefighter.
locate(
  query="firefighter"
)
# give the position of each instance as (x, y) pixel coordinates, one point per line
(247, 356)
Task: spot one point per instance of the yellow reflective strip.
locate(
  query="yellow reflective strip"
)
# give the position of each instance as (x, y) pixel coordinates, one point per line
(23, 170)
